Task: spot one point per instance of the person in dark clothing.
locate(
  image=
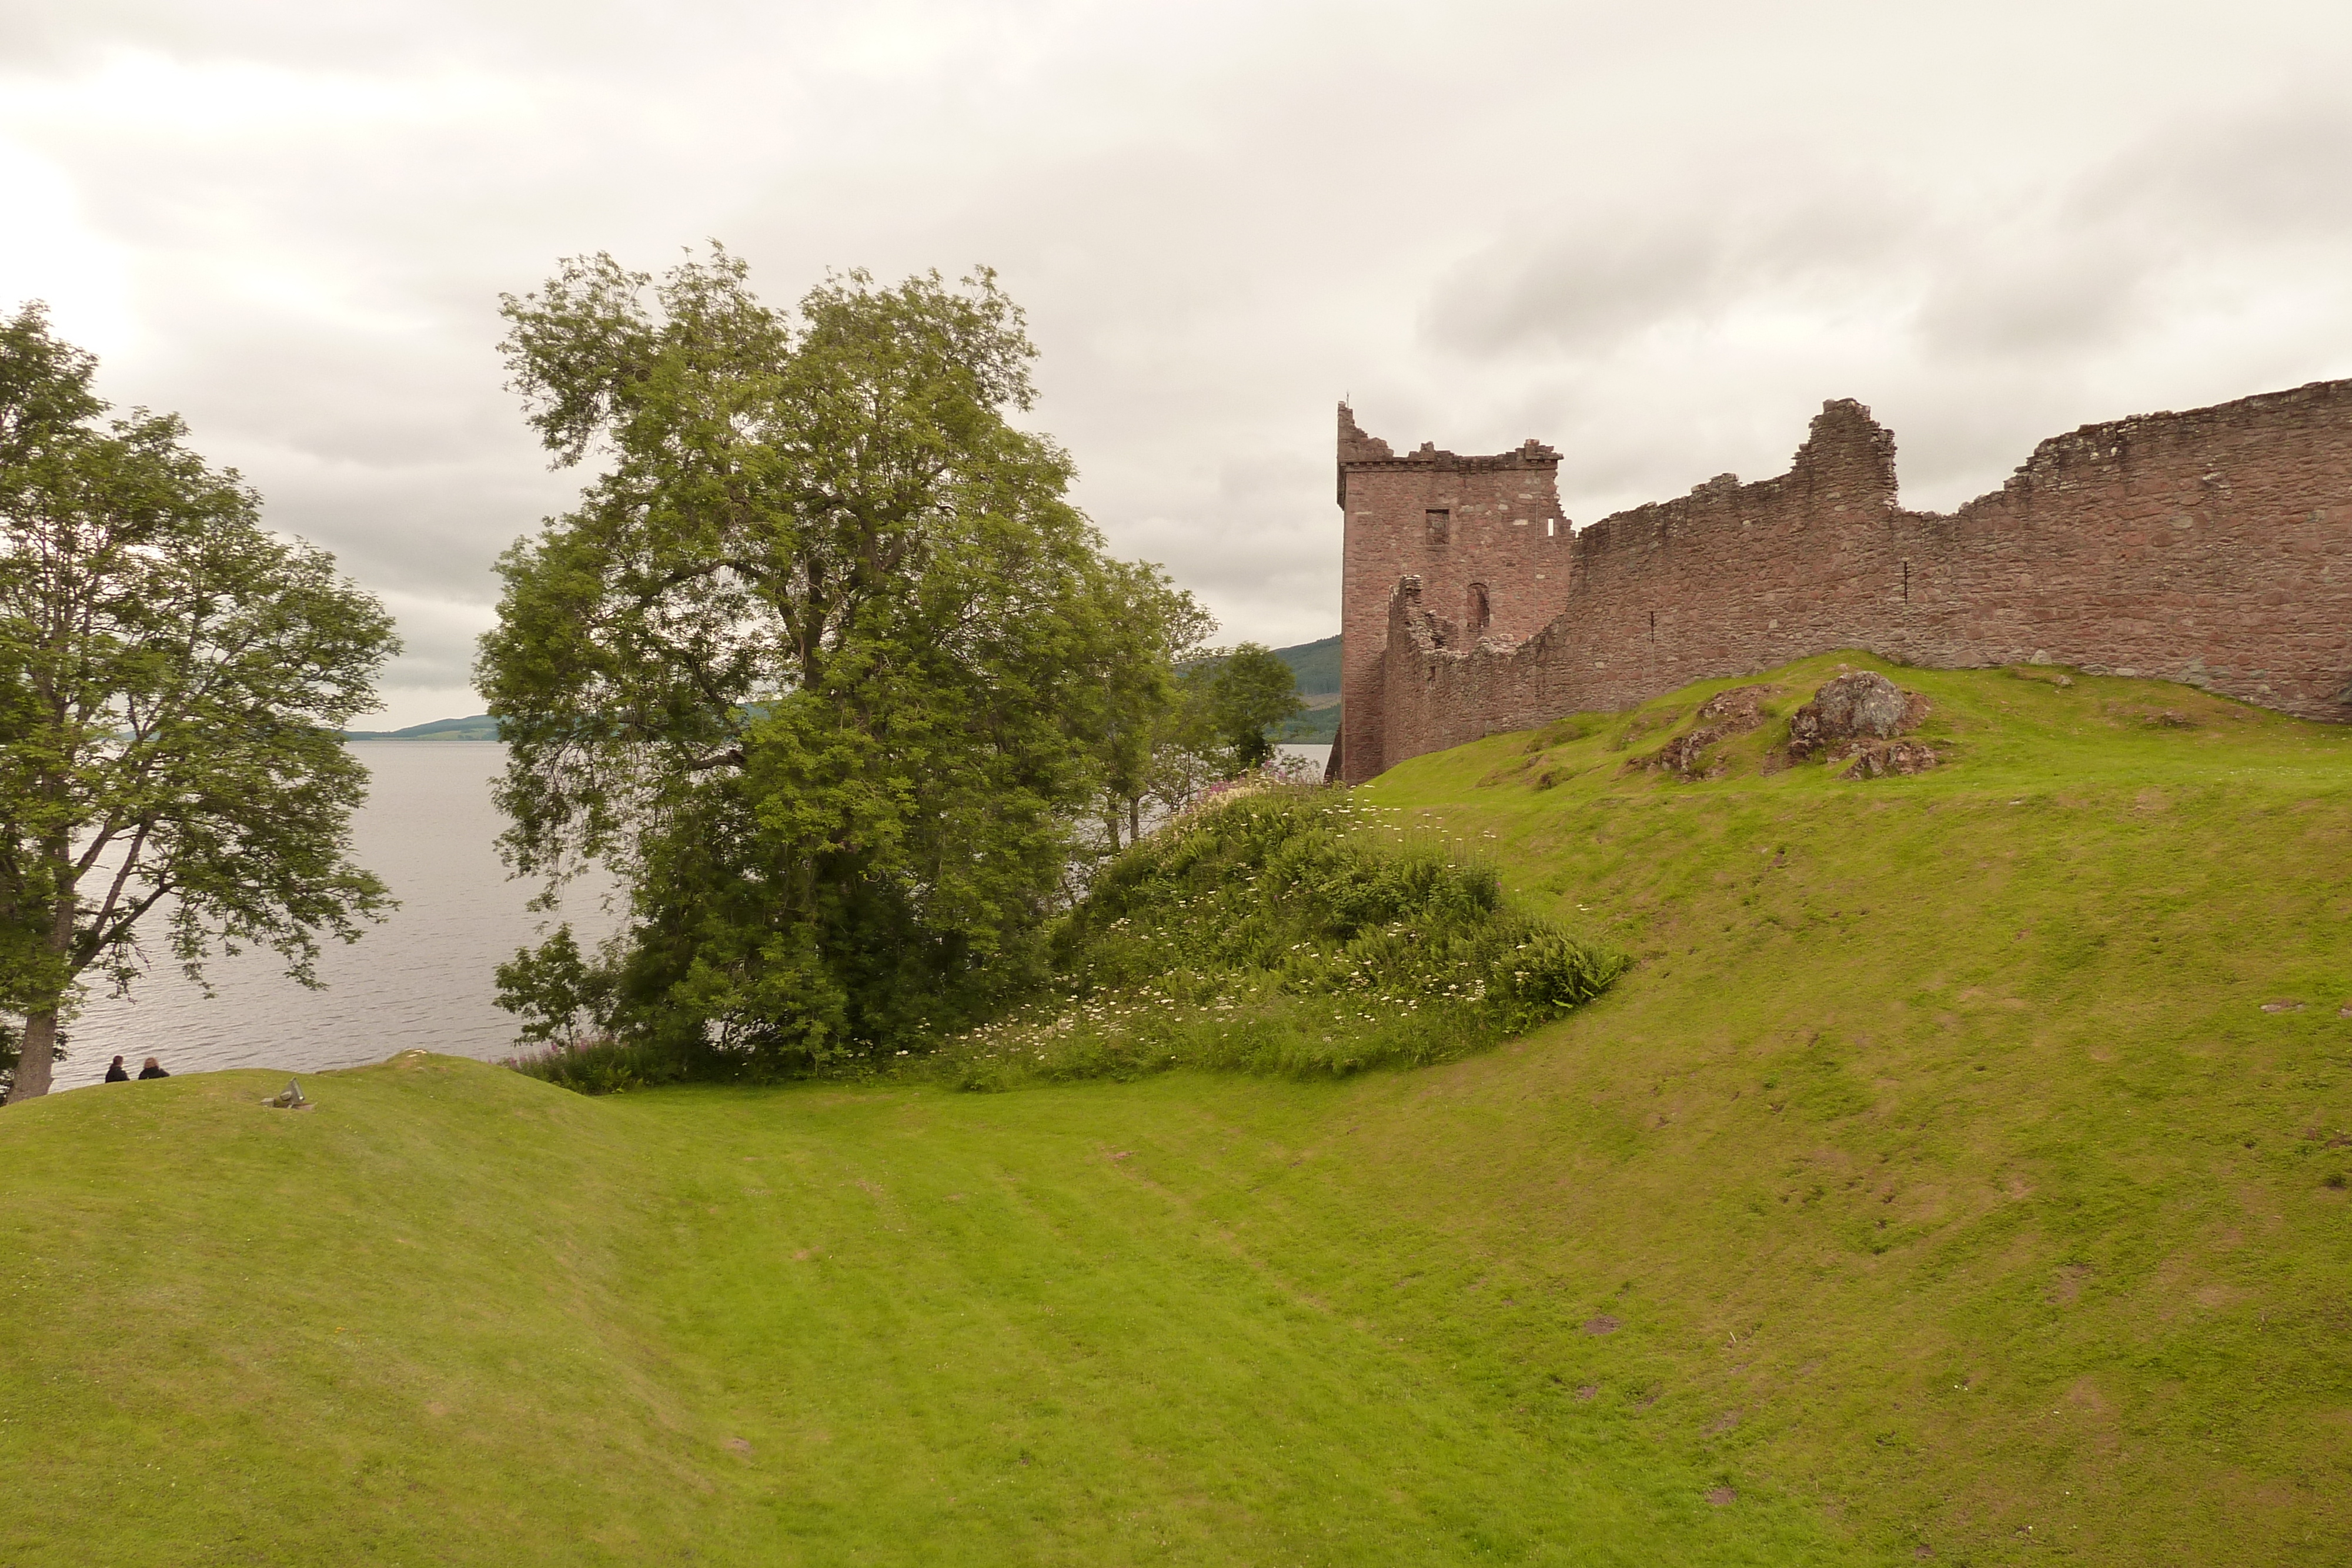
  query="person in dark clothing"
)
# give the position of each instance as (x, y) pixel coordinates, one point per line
(115, 1075)
(153, 1068)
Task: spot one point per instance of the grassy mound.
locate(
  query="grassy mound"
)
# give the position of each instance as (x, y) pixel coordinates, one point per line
(1961, 1169)
(1281, 932)
(1979, 1140)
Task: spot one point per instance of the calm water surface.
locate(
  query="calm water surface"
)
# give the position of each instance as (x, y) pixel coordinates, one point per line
(420, 980)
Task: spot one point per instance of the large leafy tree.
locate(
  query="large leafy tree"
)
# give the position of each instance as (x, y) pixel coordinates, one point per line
(824, 664)
(172, 678)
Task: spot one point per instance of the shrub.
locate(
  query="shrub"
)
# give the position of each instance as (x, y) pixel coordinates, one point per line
(1281, 933)
(602, 1066)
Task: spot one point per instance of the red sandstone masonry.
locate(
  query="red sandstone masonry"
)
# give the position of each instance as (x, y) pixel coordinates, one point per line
(2213, 546)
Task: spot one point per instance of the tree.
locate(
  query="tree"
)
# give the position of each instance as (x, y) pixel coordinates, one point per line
(172, 679)
(1245, 693)
(560, 994)
(1149, 741)
(824, 665)
(1208, 722)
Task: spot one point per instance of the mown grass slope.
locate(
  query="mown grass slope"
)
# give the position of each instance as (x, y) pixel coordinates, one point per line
(1937, 1183)
(457, 1316)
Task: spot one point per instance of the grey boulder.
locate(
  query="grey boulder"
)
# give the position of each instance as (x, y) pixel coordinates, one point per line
(1863, 704)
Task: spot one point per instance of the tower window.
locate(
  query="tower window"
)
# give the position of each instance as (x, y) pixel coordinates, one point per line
(1475, 614)
(1441, 524)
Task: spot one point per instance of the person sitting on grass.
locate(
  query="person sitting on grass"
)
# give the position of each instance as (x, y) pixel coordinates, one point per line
(153, 1068)
(115, 1075)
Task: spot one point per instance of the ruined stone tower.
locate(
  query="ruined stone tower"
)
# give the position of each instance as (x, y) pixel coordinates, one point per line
(1483, 536)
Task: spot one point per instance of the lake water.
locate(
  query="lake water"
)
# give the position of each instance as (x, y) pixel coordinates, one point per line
(420, 980)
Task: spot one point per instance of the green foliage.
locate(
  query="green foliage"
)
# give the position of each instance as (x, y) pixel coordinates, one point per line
(825, 666)
(172, 678)
(1217, 718)
(592, 1066)
(1280, 932)
(1150, 746)
(12, 1050)
(1237, 699)
(558, 994)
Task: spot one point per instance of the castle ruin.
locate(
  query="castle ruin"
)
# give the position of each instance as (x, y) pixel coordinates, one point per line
(2213, 546)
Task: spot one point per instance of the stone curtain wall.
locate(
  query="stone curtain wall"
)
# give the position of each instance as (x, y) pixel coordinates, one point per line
(2213, 546)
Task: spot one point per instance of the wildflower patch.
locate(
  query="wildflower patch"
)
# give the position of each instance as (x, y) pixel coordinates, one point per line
(1284, 932)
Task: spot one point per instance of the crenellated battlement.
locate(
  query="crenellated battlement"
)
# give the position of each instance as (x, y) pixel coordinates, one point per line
(2213, 546)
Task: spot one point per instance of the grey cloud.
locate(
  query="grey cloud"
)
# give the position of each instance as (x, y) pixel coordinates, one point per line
(2271, 173)
(1579, 293)
(2039, 294)
(1656, 237)
(2238, 196)
(1617, 273)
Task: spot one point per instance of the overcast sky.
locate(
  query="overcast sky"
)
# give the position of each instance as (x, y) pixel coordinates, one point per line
(1657, 235)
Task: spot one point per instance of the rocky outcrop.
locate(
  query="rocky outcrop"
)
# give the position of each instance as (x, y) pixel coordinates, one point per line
(1884, 759)
(1738, 710)
(1721, 717)
(1860, 705)
(1857, 718)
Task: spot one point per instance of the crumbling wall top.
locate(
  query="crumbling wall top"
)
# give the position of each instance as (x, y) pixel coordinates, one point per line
(1358, 450)
(1354, 445)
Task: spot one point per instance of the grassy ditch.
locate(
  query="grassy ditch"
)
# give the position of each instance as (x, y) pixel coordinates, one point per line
(455, 1316)
(1285, 932)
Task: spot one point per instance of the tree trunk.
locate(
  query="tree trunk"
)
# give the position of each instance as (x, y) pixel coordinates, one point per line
(33, 1067)
(39, 1045)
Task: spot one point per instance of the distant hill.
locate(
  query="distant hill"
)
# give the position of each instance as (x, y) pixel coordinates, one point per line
(481, 727)
(1315, 667)
(1316, 726)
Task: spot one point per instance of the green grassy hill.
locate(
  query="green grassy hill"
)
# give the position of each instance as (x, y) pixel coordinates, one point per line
(1961, 1171)
(1314, 665)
